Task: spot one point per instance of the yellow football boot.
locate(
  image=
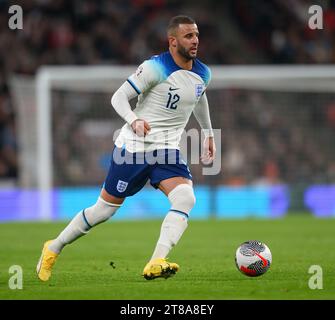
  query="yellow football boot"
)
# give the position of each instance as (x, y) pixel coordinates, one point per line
(160, 268)
(46, 262)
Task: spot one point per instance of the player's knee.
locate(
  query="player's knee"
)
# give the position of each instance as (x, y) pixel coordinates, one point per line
(100, 212)
(182, 198)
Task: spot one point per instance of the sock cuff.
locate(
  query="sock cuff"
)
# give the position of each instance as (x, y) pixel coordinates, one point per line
(182, 199)
(180, 188)
(109, 203)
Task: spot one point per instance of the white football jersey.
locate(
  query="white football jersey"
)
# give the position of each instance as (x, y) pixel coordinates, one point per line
(167, 97)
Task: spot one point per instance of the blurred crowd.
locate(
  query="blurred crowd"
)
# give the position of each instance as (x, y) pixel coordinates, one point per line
(63, 32)
(281, 29)
(271, 137)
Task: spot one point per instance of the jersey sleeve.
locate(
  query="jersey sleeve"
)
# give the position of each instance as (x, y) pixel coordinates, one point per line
(147, 75)
(208, 76)
(201, 113)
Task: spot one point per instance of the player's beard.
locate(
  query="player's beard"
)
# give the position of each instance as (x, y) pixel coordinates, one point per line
(184, 52)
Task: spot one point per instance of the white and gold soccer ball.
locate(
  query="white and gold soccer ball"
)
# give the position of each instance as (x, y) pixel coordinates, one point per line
(253, 258)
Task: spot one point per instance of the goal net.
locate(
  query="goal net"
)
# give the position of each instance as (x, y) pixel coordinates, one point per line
(277, 126)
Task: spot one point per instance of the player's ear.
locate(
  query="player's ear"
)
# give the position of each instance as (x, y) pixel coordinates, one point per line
(172, 41)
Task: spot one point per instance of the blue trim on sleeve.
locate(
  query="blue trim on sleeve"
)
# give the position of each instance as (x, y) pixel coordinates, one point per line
(138, 91)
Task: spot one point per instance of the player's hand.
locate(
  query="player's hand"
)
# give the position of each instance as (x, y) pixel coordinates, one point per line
(140, 127)
(209, 151)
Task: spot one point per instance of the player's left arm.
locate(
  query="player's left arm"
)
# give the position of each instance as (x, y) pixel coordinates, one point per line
(201, 113)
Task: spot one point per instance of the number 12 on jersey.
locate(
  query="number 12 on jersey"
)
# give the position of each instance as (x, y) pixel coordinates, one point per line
(172, 102)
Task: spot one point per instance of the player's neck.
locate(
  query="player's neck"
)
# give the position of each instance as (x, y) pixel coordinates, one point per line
(181, 61)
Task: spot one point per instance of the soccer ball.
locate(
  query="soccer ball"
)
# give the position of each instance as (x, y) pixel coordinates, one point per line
(253, 258)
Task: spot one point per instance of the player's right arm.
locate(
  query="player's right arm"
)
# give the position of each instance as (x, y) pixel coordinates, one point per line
(145, 77)
(120, 102)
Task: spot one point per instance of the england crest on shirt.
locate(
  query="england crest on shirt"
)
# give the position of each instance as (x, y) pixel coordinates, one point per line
(121, 186)
(198, 90)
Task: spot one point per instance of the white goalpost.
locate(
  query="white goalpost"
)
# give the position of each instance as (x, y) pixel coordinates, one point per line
(104, 80)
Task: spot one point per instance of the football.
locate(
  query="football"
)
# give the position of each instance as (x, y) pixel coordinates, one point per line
(253, 258)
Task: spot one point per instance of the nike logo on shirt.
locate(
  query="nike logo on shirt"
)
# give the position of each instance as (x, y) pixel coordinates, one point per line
(173, 89)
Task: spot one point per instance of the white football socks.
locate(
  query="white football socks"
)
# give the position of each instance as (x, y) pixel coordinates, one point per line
(83, 222)
(182, 200)
(175, 223)
(172, 229)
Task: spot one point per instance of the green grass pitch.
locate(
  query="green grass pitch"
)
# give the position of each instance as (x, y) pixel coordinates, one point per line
(205, 254)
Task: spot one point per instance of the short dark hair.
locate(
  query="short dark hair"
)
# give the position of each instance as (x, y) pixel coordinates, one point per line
(176, 21)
